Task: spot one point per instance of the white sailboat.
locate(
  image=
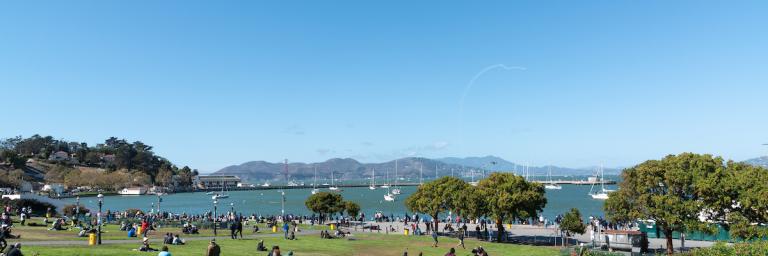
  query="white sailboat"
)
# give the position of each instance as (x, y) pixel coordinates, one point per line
(333, 187)
(551, 184)
(386, 180)
(223, 185)
(389, 197)
(314, 183)
(373, 180)
(396, 191)
(602, 194)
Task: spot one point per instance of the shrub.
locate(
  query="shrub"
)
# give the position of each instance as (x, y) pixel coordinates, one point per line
(758, 248)
(38, 208)
(69, 210)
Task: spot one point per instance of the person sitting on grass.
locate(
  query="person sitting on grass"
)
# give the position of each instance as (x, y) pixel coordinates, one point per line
(145, 246)
(132, 232)
(213, 249)
(6, 232)
(451, 252)
(255, 228)
(260, 247)
(275, 251)
(176, 240)
(58, 225)
(164, 251)
(14, 250)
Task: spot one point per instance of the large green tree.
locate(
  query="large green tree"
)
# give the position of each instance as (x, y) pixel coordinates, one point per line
(352, 208)
(671, 191)
(437, 196)
(325, 203)
(572, 224)
(736, 197)
(508, 197)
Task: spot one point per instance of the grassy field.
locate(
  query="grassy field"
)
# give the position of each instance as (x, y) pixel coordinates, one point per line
(112, 232)
(363, 244)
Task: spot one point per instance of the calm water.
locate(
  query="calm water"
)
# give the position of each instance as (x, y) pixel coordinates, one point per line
(267, 202)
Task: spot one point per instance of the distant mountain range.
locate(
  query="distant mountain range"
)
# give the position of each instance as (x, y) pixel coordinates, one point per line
(760, 161)
(407, 168)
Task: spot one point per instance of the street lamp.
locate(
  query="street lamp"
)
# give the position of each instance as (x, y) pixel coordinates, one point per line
(159, 200)
(282, 208)
(232, 208)
(215, 203)
(77, 210)
(101, 202)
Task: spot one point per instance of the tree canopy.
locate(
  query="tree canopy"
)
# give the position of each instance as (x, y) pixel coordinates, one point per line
(508, 197)
(352, 208)
(573, 223)
(681, 192)
(325, 203)
(440, 195)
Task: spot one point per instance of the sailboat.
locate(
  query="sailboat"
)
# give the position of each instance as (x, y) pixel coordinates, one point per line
(332, 187)
(223, 185)
(396, 191)
(551, 184)
(602, 194)
(389, 197)
(386, 180)
(314, 183)
(373, 180)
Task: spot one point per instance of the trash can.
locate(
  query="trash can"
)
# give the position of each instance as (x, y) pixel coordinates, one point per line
(91, 239)
(138, 231)
(274, 229)
(406, 231)
(333, 226)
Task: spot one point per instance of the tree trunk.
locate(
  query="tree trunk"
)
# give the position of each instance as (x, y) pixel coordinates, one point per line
(436, 220)
(668, 235)
(499, 230)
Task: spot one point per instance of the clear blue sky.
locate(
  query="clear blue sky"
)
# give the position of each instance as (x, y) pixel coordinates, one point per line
(215, 83)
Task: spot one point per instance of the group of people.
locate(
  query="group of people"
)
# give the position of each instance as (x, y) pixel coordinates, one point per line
(173, 239)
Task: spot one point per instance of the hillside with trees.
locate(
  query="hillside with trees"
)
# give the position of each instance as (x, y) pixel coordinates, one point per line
(109, 166)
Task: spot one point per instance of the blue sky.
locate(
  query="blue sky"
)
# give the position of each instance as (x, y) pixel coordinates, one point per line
(212, 83)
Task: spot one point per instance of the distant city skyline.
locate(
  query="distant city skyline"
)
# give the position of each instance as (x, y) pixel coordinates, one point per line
(563, 83)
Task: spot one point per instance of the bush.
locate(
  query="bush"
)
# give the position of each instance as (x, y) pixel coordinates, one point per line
(758, 248)
(69, 210)
(38, 208)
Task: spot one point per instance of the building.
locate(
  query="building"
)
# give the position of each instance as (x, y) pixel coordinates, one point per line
(217, 181)
(133, 191)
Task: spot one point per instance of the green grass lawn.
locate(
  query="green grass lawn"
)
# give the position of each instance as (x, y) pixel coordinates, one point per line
(112, 232)
(364, 244)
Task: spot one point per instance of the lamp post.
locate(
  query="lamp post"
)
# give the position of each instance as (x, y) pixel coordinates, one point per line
(77, 210)
(232, 208)
(98, 234)
(215, 215)
(159, 200)
(282, 202)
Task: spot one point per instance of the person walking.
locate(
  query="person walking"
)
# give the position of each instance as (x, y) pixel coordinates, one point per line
(233, 230)
(434, 238)
(460, 236)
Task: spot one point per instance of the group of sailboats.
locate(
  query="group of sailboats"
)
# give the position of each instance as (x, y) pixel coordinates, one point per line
(391, 193)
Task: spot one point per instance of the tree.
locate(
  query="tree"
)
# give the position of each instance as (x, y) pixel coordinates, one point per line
(325, 203)
(352, 208)
(471, 204)
(437, 196)
(667, 192)
(572, 224)
(510, 197)
(732, 198)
